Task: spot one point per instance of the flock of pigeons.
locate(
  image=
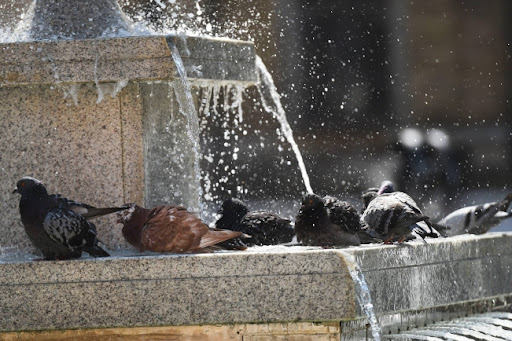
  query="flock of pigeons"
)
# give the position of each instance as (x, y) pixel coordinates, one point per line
(60, 228)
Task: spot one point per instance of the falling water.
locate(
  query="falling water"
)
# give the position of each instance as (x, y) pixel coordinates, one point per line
(363, 294)
(489, 326)
(187, 108)
(272, 103)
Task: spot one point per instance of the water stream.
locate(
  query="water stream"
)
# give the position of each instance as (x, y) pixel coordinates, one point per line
(363, 294)
(187, 108)
(272, 103)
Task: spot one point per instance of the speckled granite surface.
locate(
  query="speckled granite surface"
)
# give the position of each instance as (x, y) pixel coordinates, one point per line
(75, 149)
(263, 284)
(176, 290)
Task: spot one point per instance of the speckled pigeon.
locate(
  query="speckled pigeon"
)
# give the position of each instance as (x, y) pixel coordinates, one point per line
(395, 214)
(54, 229)
(265, 228)
(168, 228)
(315, 227)
(345, 215)
(367, 196)
(477, 219)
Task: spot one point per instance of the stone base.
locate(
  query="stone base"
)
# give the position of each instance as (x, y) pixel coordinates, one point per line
(300, 331)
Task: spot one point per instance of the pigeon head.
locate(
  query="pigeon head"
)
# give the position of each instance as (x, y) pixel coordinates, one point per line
(28, 185)
(127, 213)
(234, 207)
(386, 187)
(369, 195)
(312, 201)
(133, 219)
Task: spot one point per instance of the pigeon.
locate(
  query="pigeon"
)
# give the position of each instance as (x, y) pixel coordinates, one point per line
(52, 226)
(477, 219)
(345, 215)
(368, 196)
(265, 228)
(168, 228)
(314, 226)
(395, 214)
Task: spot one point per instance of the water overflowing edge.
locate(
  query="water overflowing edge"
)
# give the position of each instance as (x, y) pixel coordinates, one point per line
(187, 108)
(362, 293)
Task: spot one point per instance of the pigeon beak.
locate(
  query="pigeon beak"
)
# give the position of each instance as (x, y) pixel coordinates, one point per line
(15, 190)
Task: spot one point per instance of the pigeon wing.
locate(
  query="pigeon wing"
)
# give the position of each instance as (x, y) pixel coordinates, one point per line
(266, 228)
(67, 228)
(172, 229)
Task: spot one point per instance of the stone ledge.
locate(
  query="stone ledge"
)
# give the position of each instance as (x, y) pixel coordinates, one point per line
(126, 58)
(446, 271)
(262, 285)
(175, 290)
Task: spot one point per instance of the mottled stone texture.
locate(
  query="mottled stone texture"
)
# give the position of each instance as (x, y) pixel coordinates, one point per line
(74, 148)
(175, 290)
(97, 121)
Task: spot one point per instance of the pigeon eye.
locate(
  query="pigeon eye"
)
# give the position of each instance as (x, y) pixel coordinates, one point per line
(22, 184)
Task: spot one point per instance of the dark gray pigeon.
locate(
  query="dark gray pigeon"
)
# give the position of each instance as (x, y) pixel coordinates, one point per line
(345, 215)
(52, 226)
(477, 219)
(264, 228)
(326, 222)
(395, 214)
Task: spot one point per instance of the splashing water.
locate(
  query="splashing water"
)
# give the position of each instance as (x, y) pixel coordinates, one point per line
(187, 108)
(272, 103)
(492, 326)
(363, 294)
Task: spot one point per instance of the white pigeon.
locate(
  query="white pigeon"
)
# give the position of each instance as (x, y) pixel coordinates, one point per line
(477, 219)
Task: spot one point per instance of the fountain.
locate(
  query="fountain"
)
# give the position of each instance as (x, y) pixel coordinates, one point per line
(98, 113)
(109, 107)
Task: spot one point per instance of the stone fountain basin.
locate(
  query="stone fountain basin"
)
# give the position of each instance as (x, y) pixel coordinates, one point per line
(262, 285)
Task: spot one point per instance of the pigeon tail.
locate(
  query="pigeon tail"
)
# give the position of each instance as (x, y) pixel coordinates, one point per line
(98, 212)
(214, 236)
(442, 229)
(504, 205)
(96, 251)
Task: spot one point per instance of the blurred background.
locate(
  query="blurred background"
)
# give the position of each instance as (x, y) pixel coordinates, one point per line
(417, 93)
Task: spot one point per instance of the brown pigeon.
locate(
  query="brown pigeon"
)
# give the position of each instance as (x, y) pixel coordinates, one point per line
(169, 228)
